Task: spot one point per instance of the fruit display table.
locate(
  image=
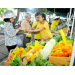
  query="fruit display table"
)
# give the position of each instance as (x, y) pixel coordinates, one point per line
(47, 52)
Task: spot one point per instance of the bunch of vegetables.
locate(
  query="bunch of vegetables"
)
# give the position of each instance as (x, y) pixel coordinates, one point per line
(38, 61)
(58, 38)
(17, 52)
(16, 62)
(62, 50)
(32, 45)
(40, 43)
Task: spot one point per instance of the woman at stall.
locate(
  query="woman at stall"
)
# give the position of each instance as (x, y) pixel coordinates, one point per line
(9, 31)
(54, 23)
(42, 27)
(58, 21)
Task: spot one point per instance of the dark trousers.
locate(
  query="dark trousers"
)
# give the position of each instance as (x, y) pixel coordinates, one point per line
(25, 40)
(11, 47)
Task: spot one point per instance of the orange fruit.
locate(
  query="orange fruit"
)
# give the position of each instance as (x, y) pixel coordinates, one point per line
(59, 53)
(53, 54)
(54, 47)
(65, 54)
(65, 48)
(70, 46)
(69, 52)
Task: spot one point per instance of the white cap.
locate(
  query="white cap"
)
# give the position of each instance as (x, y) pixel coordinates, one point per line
(56, 17)
(9, 14)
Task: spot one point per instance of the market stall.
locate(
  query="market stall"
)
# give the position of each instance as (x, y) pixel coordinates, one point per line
(47, 52)
(55, 51)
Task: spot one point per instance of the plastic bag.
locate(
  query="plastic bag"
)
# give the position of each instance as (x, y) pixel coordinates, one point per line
(29, 35)
(19, 42)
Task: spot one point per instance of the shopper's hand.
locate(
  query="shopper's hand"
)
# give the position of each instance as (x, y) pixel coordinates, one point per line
(19, 29)
(25, 31)
(33, 28)
(30, 31)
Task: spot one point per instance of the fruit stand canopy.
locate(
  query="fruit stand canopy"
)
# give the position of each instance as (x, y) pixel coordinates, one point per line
(60, 11)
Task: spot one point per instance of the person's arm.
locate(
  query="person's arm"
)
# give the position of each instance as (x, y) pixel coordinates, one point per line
(10, 31)
(33, 28)
(36, 30)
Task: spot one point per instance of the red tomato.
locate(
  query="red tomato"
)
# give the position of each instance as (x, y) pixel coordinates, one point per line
(65, 54)
(69, 52)
(59, 53)
(48, 39)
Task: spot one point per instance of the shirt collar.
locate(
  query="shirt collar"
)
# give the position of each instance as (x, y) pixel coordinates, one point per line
(43, 23)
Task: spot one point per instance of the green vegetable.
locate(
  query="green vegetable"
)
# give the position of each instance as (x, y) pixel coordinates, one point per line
(38, 61)
(30, 43)
(44, 60)
(33, 44)
(16, 62)
(58, 38)
(48, 64)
